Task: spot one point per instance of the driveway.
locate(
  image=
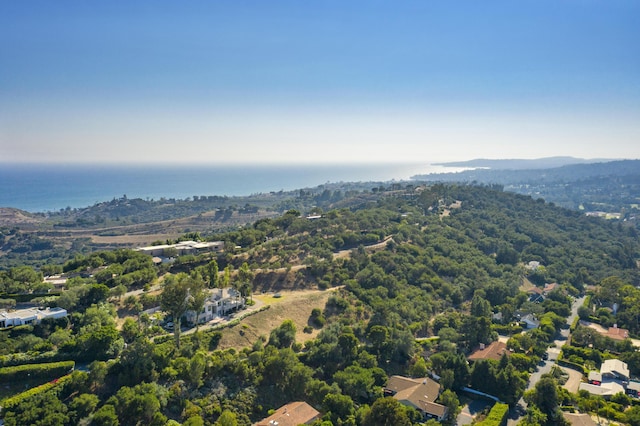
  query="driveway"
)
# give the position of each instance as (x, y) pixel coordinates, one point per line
(573, 383)
(471, 410)
(545, 366)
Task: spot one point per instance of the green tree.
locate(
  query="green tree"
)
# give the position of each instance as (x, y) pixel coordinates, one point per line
(338, 407)
(212, 273)
(387, 412)
(226, 278)
(534, 417)
(198, 295)
(176, 299)
(633, 415)
(130, 330)
(284, 336)
(105, 416)
(245, 277)
(194, 420)
(41, 409)
(101, 344)
(449, 399)
(455, 362)
(82, 405)
(97, 372)
(227, 418)
(118, 291)
(197, 366)
(357, 382)
(545, 397)
(480, 307)
(137, 405)
(137, 363)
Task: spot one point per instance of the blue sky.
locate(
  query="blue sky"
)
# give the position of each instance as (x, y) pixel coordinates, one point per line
(325, 81)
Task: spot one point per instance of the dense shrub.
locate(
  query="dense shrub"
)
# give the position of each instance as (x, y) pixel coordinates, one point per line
(497, 416)
(33, 371)
(11, 402)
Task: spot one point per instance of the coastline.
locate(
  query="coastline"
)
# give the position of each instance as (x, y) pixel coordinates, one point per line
(39, 188)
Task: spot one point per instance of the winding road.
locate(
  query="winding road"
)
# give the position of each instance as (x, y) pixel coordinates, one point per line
(545, 366)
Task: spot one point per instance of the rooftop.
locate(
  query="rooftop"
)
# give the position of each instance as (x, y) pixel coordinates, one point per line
(494, 351)
(292, 414)
(616, 367)
(420, 393)
(617, 333)
(579, 419)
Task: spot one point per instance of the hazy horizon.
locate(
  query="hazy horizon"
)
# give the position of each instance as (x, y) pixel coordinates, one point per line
(284, 82)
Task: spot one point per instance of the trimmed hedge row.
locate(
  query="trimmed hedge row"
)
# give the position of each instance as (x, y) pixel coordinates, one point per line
(497, 416)
(574, 324)
(32, 358)
(506, 330)
(28, 297)
(17, 399)
(36, 371)
(571, 365)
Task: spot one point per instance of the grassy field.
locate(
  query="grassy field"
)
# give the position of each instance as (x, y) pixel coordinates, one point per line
(293, 305)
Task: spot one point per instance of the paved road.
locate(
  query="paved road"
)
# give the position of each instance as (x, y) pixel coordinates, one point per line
(545, 366)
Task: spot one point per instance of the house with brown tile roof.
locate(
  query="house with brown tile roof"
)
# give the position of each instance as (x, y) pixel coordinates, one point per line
(535, 290)
(493, 351)
(420, 394)
(292, 414)
(616, 333)
(579, 419)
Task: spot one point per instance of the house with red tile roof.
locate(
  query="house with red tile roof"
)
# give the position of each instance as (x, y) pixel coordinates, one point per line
(493, 351)
(616, 333)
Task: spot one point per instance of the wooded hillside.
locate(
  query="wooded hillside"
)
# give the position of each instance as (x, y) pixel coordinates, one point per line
(423, 270)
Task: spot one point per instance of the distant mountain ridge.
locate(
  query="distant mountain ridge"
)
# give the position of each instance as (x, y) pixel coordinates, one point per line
(612, 186)
(522, 164)
(508, 175)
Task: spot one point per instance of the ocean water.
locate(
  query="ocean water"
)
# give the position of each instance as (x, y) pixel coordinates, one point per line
(42, 188)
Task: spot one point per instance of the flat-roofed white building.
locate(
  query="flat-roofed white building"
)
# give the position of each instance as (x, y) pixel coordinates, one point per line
(183, 247)
(29, 316)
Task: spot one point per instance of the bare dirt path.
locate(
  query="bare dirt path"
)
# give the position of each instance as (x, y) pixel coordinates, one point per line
(378, 246)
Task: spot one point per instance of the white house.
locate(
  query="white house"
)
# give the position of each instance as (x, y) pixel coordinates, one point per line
(29, 316)
(615, 369)
(219, 303)
(612, 379)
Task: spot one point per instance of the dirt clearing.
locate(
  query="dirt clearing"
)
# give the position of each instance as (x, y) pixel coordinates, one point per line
(293, 305)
